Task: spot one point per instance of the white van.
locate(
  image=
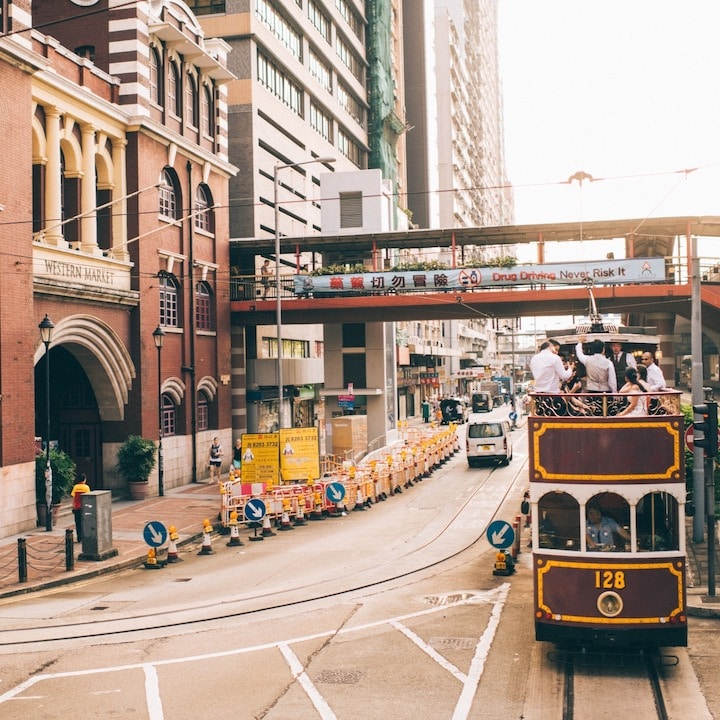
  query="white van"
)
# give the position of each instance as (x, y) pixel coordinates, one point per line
(488, 439)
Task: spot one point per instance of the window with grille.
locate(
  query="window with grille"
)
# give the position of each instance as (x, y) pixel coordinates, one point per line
(155, 84)
(203, 412)
(206, 112)
(203, 307)
(279, 27)
(173, 105)
(318, 18)
(350, 149)
(167, 199)
(206, 7)
(191, 109)
(168, 415)
(321, 122)
(320, 70)
(169, 301)
(203, 213)
(280, 85)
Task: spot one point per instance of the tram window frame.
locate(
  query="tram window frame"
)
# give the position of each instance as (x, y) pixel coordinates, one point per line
(658, 535)
(614, 506)
(558, 522)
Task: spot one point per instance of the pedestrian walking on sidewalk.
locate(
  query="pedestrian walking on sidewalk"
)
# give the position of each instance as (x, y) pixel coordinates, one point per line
(79, 489)
(216, 454)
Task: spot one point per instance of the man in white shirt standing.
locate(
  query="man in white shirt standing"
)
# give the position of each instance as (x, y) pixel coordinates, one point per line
(599, 371)
(655, 377)
(547, 368)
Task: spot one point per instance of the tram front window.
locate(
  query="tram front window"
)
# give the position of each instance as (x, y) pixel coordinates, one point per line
(657, 523)
(558, 522)
(607, 526)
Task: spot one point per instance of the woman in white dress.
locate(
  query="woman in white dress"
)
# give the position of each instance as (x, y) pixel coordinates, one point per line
(637, 402)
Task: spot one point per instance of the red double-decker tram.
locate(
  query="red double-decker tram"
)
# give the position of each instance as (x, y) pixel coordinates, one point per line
(607, 496)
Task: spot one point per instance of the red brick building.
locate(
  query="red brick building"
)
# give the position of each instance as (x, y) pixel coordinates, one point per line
(115, 194)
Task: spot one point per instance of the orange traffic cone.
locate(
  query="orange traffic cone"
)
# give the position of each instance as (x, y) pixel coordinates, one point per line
(266, 529)
(172, 553)
(300, 514)
(206, 548)
(234, 530)
(285, 517)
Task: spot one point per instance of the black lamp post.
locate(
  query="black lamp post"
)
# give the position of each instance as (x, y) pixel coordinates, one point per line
(158, 337)
(46, 331)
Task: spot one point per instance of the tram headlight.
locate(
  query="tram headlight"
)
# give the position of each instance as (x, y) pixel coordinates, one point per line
(610, 604)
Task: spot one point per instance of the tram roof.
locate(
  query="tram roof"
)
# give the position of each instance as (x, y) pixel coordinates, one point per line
(499, 235)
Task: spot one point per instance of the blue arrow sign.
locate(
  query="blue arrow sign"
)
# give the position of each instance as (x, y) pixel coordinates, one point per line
(254, 510)
(335, 492)
(155, 533)
(500, 534)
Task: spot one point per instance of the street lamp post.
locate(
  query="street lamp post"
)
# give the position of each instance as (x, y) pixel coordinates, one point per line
(158, 337)
(511, 329)
(278, 298)
(46, 330)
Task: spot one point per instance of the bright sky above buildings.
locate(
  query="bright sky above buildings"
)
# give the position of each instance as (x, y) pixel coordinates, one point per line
(627, 91)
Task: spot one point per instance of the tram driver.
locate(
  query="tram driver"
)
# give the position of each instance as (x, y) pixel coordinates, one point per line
(600, 531)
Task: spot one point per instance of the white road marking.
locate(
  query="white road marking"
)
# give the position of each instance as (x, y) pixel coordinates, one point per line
(470, 682)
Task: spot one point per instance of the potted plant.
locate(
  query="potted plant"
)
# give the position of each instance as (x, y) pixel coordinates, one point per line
(63, 478)
(135, 461)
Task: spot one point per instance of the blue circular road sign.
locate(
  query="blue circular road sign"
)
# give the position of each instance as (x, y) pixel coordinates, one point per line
(254, 510)
(335, 492)
(155, 533)
(500, 534)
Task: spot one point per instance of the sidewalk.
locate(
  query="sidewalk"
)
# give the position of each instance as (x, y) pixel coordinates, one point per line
(185, 508)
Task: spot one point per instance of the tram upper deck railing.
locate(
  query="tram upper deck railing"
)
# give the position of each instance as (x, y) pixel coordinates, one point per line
(662, 403)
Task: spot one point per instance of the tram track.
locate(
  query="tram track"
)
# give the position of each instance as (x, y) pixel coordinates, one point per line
(577, 667)
(398, 568)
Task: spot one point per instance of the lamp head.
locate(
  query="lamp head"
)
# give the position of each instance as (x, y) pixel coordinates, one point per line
(46, 329)
(158, 337)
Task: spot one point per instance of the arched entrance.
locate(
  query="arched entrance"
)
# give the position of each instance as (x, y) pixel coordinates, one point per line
(91, 375)
(74, 416)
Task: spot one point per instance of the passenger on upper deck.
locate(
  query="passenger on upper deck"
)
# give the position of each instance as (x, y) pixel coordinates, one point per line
(621, 362)
(656, 379)
(547, 368)
(637, 404)
(600, 371)
(601, 529)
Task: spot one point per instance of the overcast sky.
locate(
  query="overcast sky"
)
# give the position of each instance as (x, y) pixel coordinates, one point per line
(624, 89)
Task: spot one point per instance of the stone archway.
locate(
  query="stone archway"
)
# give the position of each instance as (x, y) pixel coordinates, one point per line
(91, 374)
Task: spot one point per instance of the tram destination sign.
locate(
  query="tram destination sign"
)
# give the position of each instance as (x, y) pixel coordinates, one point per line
(600, 272)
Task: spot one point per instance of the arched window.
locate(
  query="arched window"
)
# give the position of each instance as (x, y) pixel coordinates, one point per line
(191, 109)
(206, 112)
(169, 301)
(168, 196)
(558, 521)
(174, 103)
(155, 76)
(168, 415)
(204, 318)
(203, 411)
(203, 211)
